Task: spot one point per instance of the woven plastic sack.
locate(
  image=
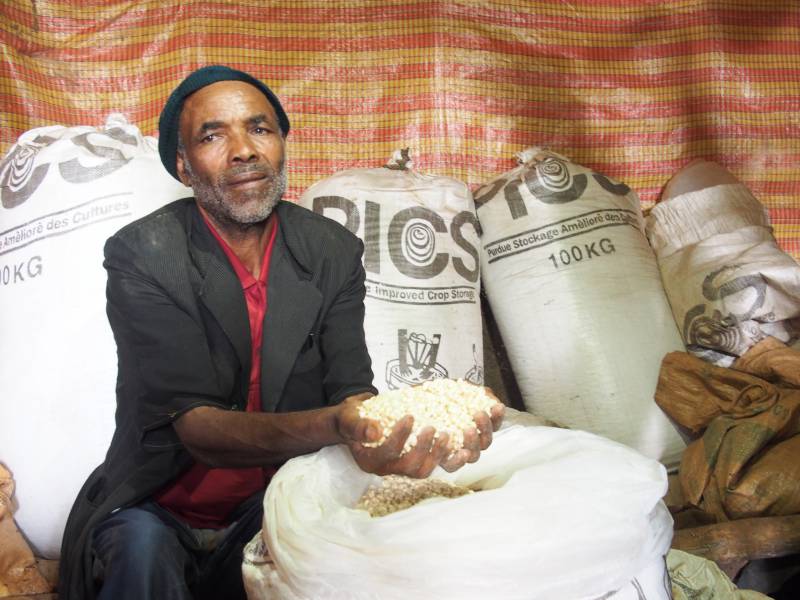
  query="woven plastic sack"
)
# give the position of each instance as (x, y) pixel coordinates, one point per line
(728, 282)
(420, 234)
(696, 578)
(576, 293)
(64, 191)
(562, 514)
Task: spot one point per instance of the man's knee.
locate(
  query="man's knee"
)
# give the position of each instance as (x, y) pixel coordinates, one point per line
(135, 535)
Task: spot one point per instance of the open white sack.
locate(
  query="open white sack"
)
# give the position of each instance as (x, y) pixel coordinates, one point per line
(563, 514)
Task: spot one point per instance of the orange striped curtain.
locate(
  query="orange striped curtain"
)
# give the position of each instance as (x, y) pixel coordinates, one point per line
(631, 88)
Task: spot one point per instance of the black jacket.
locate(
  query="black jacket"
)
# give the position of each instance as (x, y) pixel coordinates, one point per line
(180, 323)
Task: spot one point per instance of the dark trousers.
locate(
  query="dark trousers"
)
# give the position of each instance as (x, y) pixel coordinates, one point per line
(146, 553)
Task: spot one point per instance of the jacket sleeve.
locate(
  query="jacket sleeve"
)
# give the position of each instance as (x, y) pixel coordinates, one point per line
(164, 348)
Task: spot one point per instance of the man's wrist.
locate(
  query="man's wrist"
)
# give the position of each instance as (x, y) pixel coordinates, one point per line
(347, 417)
(336, 422)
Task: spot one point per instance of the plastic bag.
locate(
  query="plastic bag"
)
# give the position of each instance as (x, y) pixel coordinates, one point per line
(696, 578)
(561, 514)
(262, 581)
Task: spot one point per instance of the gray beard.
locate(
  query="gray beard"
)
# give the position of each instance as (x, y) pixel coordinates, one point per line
(252, 207)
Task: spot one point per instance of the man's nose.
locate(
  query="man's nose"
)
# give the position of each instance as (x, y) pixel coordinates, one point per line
(242, 148)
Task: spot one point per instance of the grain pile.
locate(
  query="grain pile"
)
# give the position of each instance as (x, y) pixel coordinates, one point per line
(447, 405)
(398, 493)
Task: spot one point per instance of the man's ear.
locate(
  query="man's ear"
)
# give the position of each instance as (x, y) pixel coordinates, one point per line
(180, 167)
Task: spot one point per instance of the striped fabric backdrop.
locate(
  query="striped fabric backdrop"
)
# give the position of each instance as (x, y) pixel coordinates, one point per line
(631, 88)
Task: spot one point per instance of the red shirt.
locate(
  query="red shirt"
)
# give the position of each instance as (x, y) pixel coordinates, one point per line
(204, 497)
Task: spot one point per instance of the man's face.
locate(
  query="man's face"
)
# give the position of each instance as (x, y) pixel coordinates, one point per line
(233, 153)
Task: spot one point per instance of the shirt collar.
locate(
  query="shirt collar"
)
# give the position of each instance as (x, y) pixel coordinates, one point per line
(245, 277)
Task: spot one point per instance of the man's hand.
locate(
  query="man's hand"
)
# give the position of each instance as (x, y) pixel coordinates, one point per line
(386, 459)
(479, 437)
(426, 454)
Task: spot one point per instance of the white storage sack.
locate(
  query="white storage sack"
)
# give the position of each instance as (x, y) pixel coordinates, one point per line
(728, 282)
(420, 234)
(263, 582)
(64, 191)
(563, 514)
(577, 296)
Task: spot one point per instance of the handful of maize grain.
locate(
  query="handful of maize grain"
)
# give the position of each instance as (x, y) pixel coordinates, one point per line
(447, 405)
(398, 493)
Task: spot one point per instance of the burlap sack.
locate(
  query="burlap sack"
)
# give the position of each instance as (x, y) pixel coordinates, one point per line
(773, 361)
(18, 572)
(745, 463)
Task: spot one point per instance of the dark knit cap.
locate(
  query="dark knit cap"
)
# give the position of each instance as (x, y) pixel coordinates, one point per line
(170, 116)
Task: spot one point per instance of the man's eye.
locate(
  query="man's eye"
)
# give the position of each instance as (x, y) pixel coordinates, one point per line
(261, 130)
(208, 138)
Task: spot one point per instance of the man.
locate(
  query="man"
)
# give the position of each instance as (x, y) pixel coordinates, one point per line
(238, 320)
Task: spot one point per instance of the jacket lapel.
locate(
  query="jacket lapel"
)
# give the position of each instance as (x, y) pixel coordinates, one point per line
(293, 302)
(221, 292)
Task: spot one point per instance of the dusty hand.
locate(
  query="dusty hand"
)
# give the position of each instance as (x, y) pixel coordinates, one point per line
(386, 459)
(477, 438)
(426, 454)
